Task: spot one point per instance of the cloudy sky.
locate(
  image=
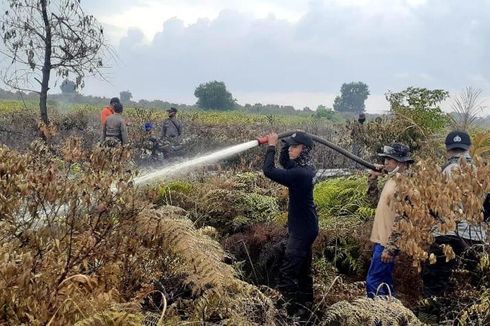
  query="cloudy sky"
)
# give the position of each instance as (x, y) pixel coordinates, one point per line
(292, 51)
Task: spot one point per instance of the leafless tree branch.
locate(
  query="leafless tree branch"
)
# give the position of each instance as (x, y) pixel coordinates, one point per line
(466, 107)
(51, 36)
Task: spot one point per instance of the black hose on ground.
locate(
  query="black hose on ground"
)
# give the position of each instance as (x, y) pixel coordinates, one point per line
(335, 148)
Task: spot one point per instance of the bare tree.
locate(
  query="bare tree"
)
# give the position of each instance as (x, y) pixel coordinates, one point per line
(466, 107)
(41, 36)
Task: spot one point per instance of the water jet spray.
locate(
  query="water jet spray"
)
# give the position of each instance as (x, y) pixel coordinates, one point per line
(236, 149)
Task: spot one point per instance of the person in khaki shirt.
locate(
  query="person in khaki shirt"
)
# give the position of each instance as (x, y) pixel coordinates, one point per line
(396, 160)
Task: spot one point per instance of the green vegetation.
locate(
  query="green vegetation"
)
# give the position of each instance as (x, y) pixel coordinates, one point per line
(352, 98)
(420, 107)
(214, 96)
(234, 117)
(343, 198)
(205, 248)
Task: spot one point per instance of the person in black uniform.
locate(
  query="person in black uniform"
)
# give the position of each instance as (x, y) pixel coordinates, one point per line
(296, 281)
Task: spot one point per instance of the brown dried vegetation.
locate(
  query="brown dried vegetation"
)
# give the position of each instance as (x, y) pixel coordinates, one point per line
(429, 199)
(79, 245)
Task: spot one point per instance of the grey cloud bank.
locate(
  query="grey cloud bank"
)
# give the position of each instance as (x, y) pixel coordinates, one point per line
(438, 44)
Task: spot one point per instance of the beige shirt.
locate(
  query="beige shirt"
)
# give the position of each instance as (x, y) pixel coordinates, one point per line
(385, 215)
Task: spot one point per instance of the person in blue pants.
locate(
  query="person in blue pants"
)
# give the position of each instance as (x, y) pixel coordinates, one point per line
(379, 280)
(380, 274)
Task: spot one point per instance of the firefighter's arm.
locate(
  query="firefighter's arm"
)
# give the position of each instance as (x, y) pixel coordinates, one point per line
(179, 128)
(124, 133)
(164, 130)
(104, 131)
(284, 177)
(284, 159)
(281, 176)
(373, 191)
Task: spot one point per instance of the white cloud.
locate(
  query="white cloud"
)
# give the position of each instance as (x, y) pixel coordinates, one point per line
(149, 15)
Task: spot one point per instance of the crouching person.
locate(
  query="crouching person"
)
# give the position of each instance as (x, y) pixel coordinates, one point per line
(380, 274)
(115, 131)
(296, 281)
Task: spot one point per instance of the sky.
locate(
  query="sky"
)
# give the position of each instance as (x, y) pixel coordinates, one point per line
(292, 52)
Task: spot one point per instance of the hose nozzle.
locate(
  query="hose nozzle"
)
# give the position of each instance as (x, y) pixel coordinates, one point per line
(263, 140)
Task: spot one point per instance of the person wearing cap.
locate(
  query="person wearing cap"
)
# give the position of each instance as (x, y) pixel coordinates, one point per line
(172, 128)
(295, 278)
(396, 159)
(436, 277)
(115, 131)
(108, 110)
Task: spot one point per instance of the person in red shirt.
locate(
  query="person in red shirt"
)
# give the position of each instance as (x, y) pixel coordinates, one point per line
(108, 110)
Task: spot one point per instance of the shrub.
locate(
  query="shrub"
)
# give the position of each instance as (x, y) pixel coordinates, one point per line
(260, 249)
(366, 311)
(343, 210)
(428, 199)
(167, 189)
(227, 210)
(259, 207)
(343, 197)
(84, 250)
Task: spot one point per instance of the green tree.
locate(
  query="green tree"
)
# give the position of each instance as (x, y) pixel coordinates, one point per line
(416, 116)
(352, 98)
(323, 112)
(420, 108)
(45, 36)
(68, 87)
(125, 96)
(213, 95)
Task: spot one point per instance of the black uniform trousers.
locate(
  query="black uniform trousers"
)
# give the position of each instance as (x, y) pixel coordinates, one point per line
(436, 277)
(295, 276)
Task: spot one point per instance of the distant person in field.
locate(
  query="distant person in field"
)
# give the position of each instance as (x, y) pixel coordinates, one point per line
(296, 281)
(148, 127)
(108, 110)
(466, 240)
(172, 128)
(396, 160)
(115, 131)
(357, 136)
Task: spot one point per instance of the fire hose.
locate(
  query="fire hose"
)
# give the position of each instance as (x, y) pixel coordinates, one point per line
(357, 159)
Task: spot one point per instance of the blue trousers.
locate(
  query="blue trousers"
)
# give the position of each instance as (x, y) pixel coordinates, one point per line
(379, 273)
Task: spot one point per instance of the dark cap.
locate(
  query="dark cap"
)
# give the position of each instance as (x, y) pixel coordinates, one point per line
(458, 139)
(398, 152)
(172, 110)
(362, 116)
(114, 100)
(299, 137)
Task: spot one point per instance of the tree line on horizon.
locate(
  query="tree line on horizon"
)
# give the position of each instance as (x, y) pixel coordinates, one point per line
(211, 95)
(65, 42)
